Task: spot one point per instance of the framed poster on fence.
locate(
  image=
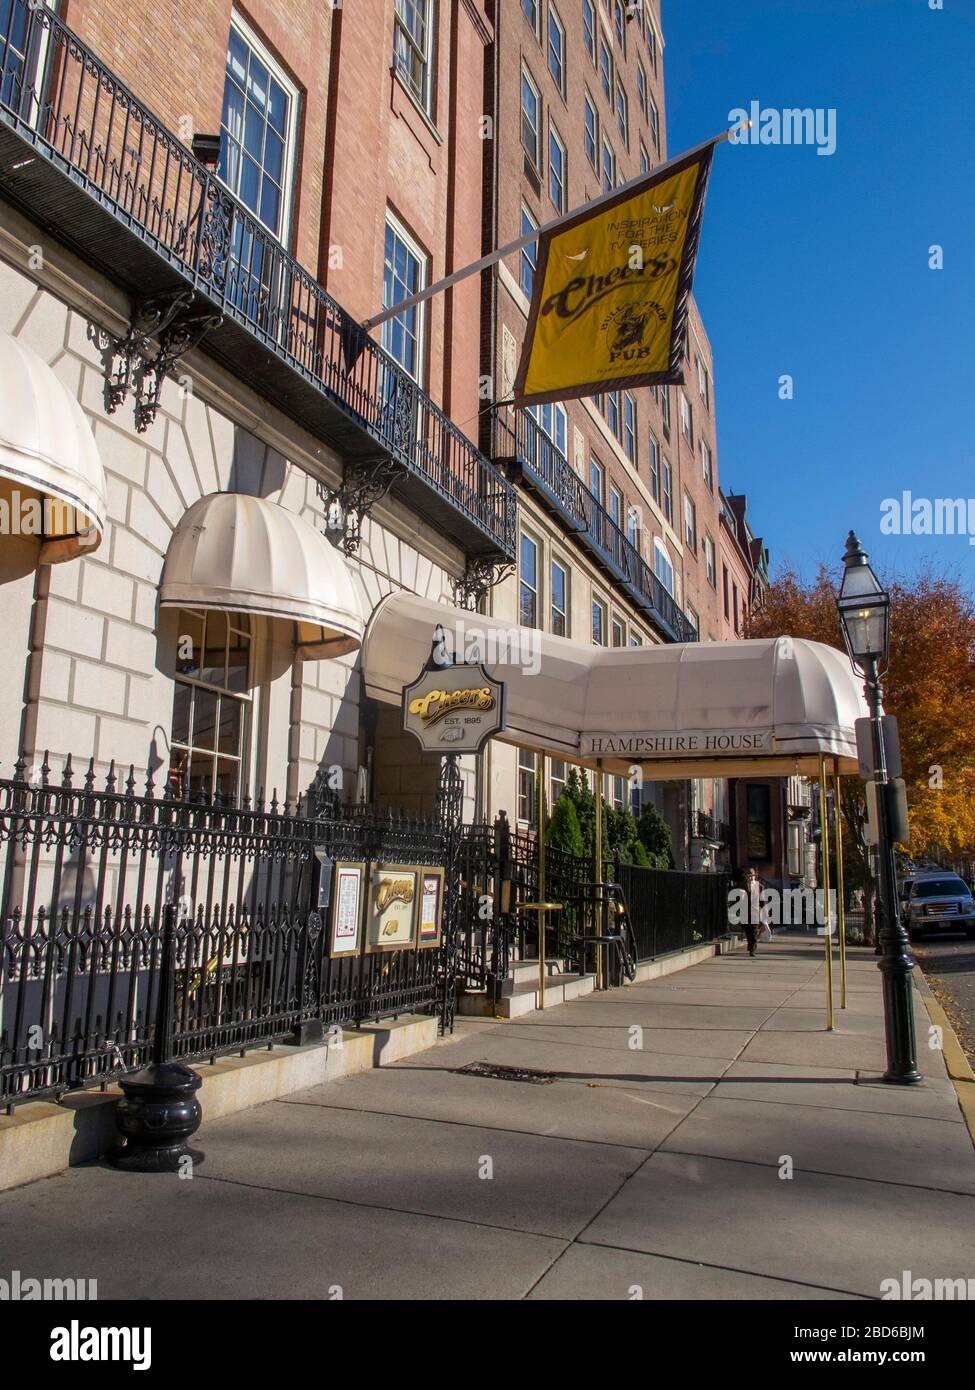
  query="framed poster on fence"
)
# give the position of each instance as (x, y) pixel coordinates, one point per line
(346, 909)
(430, 926)
(391, 918)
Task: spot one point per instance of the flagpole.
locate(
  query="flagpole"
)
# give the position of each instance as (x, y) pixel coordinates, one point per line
(533, 235)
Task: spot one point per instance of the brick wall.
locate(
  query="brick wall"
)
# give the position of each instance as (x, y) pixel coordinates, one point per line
(174, 58)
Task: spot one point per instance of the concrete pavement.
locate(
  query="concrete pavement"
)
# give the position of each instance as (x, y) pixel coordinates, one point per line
(656, 1163)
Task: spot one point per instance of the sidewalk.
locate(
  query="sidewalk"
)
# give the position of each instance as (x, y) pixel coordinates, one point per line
(655, 1166)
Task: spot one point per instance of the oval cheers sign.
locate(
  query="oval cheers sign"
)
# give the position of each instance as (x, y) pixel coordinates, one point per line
(453, 709)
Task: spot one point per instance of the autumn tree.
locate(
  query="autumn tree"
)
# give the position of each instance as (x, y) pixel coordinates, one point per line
(929, 686)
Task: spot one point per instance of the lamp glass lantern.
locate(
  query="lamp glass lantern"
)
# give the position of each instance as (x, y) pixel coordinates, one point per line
(864, 607)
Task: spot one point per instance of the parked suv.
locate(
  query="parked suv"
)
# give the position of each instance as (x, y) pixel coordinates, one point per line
(939, 902)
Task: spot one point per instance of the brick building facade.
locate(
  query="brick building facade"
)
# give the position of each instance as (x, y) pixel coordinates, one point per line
(368, 151)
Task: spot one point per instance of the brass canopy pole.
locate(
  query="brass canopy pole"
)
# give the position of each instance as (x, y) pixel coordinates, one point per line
(541, 906)
(540, 798)
(828, 923)
(599, 869)
(840, 895)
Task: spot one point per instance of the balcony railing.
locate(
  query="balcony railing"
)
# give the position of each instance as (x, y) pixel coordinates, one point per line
(545, 468)
(83, 156)
(708, 827)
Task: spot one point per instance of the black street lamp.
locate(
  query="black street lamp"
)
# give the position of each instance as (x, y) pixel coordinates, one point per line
(864, 607)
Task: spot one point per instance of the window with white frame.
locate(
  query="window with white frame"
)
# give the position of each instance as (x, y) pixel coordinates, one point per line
(404, 273)
(622, 113)
(551, 420)
(707, 464)
(557, 779)
(665, 410)
(615, 505)
(642, 91)
(654, 450)
(413, 47)
(533, 13)
(258, 127)
(704, 382)
(609, 167)
(618, 632)
(636, 638)
(529, 254)
(667, 491)
(644, 159)
(591, 136)
(556, 169)
(690, 523)
(589, 29)
(597, 479)
(619, 24)
(531, 121)
(709, 561)
(556, 49)
(528, 582)
(606, 70)
(651, 37)
(662, 566)
(653, 116)
(527, 798)
(13, 49)
(686, 418)
(560, 599)
(598, 623)
(212, 698)
(633, 526)
(630, 432)
(613, 412)
(694, 621)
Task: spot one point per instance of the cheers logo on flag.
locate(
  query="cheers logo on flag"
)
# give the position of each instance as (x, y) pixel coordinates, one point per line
(609, 308)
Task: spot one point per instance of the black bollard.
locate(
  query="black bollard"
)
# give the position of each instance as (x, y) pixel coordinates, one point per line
(159, 1111)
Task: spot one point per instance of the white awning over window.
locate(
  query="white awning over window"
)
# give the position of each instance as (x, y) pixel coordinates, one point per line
(699, 709)
(52, 484)
(248, 555)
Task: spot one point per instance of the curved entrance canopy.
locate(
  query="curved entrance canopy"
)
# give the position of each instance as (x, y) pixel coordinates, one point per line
(245, 554)
(51, 477)
(708, 709)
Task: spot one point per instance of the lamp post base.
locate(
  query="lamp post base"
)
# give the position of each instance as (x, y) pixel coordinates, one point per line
(157, 1115)
(897, 968)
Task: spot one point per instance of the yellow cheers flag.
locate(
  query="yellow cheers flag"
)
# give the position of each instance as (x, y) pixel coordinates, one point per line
(609, 308)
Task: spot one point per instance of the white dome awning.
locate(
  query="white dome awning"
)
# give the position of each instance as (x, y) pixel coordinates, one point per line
(51, 477)
(694, 709)
(245, 554)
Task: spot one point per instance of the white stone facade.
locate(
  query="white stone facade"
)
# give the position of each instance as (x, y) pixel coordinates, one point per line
(88, 655)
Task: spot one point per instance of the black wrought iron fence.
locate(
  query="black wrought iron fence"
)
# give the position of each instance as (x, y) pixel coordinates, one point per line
(673, 911)
(498, 867)
(91, 878)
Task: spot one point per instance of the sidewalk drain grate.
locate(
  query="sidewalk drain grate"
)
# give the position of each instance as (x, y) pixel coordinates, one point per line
(499, 1073)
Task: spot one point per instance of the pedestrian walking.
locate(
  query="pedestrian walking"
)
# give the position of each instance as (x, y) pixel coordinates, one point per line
(753, 917)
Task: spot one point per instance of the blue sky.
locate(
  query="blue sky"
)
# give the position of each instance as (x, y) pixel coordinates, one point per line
(817, 266)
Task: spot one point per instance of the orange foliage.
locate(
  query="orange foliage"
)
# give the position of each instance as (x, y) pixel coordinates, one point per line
(930, 687)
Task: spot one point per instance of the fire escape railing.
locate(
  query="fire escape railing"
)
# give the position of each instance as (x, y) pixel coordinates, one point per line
(64, 103)
(543, 464)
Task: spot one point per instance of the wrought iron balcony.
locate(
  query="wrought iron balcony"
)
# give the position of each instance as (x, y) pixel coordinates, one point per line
(83, 157)
(709, 827)
(530, 455)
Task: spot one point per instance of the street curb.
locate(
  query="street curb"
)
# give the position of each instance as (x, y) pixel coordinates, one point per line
(953, 1054)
